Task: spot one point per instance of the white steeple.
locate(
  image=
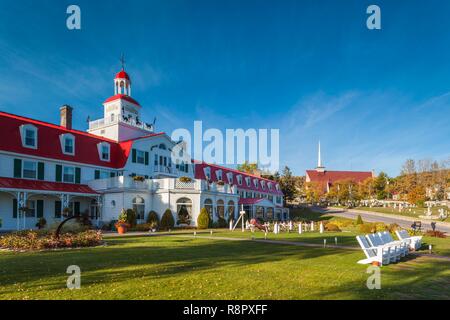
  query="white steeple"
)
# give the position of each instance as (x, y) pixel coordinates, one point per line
(320, 167)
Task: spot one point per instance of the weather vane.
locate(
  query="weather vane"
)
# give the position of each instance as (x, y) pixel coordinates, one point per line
(122, 60)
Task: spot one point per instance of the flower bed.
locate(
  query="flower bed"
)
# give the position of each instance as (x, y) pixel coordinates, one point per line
(35, 240)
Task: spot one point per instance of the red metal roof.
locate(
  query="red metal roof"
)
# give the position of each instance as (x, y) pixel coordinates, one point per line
(333, 176)
(122, 96)
(49, 145)
(122, 75)
(200, 174)
(13, 183)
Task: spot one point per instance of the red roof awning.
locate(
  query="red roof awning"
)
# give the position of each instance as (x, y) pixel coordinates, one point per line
(36, 185)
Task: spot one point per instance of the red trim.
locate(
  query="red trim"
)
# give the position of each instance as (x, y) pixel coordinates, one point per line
(13, 183)
(123, 97)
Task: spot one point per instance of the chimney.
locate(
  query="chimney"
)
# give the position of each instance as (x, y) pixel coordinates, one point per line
(66, 116)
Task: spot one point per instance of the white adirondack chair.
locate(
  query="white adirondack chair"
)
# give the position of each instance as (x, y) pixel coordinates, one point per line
(387, 239)
(375, 241)
(381, 255)
(414, 242)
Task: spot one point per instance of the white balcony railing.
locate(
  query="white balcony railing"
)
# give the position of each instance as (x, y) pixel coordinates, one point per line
(121, 182)
(130, 121)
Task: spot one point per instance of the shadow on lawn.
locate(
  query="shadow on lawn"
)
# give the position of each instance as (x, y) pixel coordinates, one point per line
(411, 279)
(112, 263)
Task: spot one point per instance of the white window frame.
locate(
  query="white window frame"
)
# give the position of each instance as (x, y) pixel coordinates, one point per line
(263, 184)
(230, 177)
(256, 183)
(207, 172)
(219, 175)
(137, 156)
(35, 171)
(239, 179)
(100, 151)
(23, 130)
(247, 181)
(63, 139)
(64, 175)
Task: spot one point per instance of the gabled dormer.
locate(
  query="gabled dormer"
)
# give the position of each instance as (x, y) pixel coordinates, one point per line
(248, 181)
(207, 172)
(239, 179)
(256, 183)
(230, 177)
(29, 136)
(104, 151)
(67, 142)
(219, 174)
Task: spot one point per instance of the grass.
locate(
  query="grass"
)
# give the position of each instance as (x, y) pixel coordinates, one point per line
(171, 267)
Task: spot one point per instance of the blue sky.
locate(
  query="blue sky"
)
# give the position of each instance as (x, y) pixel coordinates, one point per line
(310, 68)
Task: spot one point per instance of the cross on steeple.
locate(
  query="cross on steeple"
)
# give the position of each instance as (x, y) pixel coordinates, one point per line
(122, 60)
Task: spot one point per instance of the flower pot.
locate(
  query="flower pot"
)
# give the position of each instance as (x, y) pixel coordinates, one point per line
(122, 229)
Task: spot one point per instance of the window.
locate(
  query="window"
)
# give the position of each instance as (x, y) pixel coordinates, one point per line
(31, 209)
(184, 211)
(156, 159)
(255, 183)
(239, 179)
(208, 204)
(270, 185)
(219, 174)
(104, 151)
(139, 208)
(162, 146)
(207, 172)
(247, 180)
(68, 144)
(230, 210)
(230, 177)
(140, 156)
(263, 185)
(29, 170)
(221, 209)
(28, 133)
(69, 174)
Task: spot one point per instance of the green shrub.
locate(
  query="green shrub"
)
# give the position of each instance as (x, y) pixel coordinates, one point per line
(153, 219)
(203, 220)
(142, 227)
(359, 220)
(131, 217)
(167, 221)
(222, 223)
(368, 228)
(39, 240)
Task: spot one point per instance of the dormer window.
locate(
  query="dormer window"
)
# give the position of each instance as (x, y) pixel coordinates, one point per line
(68, 144)
(270, 185)
(256, 183)
(104, 150)
(239, 179)
(247, 181)
(29, 136)
(230, 177)
(277, 187)
(207, 172)
(219, 175)
(263, 185)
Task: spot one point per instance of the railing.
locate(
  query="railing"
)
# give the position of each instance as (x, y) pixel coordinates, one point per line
(165, 170)
(130, 121)
(125, 182)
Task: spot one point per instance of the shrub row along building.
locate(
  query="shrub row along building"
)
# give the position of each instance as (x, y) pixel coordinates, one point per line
(51, 171)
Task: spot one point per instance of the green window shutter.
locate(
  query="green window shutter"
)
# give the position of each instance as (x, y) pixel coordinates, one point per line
(41, 171)
(112, 174)
(78, 175)
(97, 174)
(133, 156)
(15, 208)
(40, 208)
(17, 168)
(58, 173)
(146, 158)
(76, 208)
(58, 209)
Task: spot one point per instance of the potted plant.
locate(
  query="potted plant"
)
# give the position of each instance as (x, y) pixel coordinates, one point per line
(220, 183)
(185, 179)
(122, 222)
(138, 178)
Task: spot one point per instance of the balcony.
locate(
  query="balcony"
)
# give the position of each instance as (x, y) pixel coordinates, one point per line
(120, 119)
(165, 170)
(121, 183)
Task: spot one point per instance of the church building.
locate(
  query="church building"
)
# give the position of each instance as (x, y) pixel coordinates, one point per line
(51, 171)
(327, 178)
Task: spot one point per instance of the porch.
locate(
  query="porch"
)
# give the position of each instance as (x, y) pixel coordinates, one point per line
(24, 202)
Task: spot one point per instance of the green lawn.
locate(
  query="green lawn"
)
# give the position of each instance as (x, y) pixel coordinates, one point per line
(172, 267)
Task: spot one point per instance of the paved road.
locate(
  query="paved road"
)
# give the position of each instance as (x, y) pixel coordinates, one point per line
(367, 216)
